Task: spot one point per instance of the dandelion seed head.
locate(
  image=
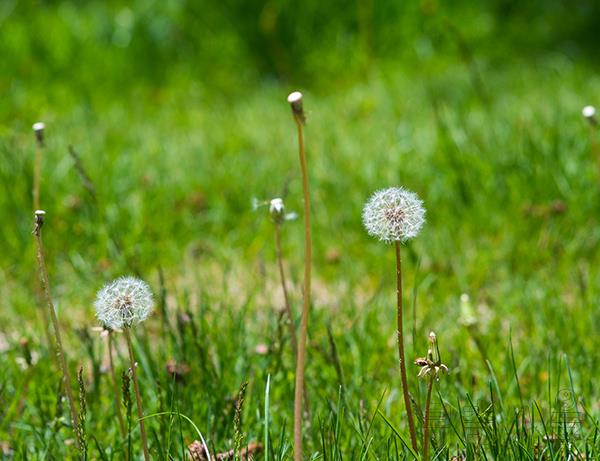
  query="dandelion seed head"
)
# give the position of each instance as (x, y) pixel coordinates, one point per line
(124, 302)
(276, 206)
(394, 215)
(589, 111)
(38, 126)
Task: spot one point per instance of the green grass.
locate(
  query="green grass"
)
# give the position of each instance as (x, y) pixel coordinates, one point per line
(506, 173)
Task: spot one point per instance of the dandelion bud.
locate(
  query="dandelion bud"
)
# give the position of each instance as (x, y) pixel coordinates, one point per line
(394, 215)
(38, 129)
(295, 100)
(589, 112)
(124, 302)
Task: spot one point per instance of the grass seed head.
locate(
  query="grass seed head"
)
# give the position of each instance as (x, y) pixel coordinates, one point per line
(394, 215)
(124, 302)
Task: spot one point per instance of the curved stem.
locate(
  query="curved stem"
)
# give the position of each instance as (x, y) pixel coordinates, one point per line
(426, 432)
(60, 353)
(115, 386)
(409, 415)
(138, 399)
(300, 360)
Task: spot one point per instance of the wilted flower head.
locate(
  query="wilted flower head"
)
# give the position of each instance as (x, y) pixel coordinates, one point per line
(394, 214)
(123, 303)
(431, 365)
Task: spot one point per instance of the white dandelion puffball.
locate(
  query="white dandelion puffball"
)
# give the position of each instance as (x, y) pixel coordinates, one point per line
(124, 302)
(589, 111)
(394, 215)
(38, 126)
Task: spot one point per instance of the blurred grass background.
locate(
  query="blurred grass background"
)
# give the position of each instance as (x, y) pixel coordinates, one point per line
(177, 111)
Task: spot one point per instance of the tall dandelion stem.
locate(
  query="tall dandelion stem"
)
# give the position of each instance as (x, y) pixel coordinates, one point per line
(595, 148)
(138, 399)
(295, 100)
(38, 129)
(401, 354)
(589, 113)
(60, 353)
(288, 307)
(115, 384)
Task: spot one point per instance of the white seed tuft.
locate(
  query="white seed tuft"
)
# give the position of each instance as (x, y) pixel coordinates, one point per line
(394, 215)
(294, 97)
(589, 111)
(276, 206)
(38, 126)
(124, 302)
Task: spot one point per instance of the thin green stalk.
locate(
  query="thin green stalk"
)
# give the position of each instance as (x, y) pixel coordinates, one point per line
(595, 148)
(426, 430)
(295, 100)
(267, 416)
(288, 307)
(60, 353)
(401, 355)
(115, 384)
(37, 179)
(37, 171)
(138, 398)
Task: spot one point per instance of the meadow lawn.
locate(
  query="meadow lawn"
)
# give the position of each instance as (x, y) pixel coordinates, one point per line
(157, 144)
